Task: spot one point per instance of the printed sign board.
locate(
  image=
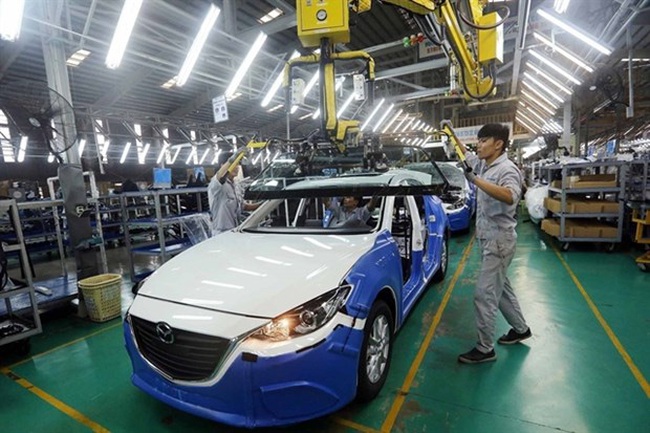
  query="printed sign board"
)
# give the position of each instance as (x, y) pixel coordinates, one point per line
(220, 109)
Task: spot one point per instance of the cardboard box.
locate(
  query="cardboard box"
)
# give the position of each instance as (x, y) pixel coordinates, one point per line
(573, 206)
(594, 229)
(579, 229)
(552, 227)
(592, 181)
(598, 206)
(555, 205)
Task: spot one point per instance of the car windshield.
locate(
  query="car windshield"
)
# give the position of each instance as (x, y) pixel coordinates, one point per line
(292, 167)
(453, 174)
(316, 215)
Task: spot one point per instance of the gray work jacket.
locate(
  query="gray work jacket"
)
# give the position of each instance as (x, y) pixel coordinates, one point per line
(493, 216)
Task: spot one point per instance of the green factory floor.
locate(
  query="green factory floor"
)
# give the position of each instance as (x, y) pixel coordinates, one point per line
(585, 369)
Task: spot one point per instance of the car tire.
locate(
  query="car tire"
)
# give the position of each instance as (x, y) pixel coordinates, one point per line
(444, 261)
(376, 351)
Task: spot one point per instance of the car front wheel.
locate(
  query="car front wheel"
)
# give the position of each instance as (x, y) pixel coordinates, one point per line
(376, 351)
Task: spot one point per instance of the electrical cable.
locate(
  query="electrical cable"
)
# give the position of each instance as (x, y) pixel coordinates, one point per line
(469, 22)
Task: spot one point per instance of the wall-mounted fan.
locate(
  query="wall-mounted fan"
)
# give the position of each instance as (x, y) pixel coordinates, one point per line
(609, 81)
(43, 114)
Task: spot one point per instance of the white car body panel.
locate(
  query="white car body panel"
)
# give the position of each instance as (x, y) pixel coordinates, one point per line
(285, 271)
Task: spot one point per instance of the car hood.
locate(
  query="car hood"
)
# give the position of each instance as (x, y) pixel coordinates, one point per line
(258, 275)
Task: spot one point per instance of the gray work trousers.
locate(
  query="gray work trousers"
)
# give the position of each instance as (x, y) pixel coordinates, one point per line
(494, 292)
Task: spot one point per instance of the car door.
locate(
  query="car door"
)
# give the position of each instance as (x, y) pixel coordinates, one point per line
(408, 230)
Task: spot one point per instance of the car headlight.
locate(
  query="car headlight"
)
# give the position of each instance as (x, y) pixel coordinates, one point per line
(304, 319)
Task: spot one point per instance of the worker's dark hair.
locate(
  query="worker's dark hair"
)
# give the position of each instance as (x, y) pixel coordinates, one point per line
(223, 157)
(496, 131)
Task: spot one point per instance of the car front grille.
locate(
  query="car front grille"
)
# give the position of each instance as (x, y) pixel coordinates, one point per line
(191, 356)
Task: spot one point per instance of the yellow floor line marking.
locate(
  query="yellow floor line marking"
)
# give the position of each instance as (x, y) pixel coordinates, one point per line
(69, 343)
(354, 425)
(621, 350)
(415, 366)
(72, 413)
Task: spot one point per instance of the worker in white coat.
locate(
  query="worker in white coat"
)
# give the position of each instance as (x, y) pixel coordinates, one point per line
(226, 205)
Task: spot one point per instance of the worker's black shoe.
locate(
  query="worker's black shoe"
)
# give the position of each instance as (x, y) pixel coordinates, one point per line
(475, 356)
(513, 337)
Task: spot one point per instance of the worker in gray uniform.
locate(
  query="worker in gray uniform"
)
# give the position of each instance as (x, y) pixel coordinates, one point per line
(225, 204)
(499, 185)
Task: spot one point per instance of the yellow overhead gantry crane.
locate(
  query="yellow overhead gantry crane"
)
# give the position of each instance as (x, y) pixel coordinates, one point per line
(323, 23)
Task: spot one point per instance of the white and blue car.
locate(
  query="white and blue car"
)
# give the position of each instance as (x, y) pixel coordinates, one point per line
(282, 320)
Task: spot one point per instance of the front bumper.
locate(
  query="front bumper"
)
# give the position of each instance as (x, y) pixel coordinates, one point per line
(269, 390)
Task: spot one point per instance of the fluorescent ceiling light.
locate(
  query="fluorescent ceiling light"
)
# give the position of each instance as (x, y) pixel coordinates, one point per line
(205, 154)
(408, 125)
(277, 107)
(82, 146)
(345, 105)
(388, 125)
(22, 148)
(636, 59)
(216, 157)
(235, 96)
(310, 85)
(270, 16)
(11, 18)
(122, 33)
(77, 57)
(197, 45)
(169, 83)
(557, 68)
(539, 117)
(276, 84)
(382, 118)
(538, 93)
(163, 151)
(548, 78)
(528, 119)
(193, 157)
(303, 117)
(542, 86)
(526, 125)
(294, 109)
(372, 114)
(125, 152)
(560, 6)
(574, 31)
(566, 53)
(178, 150)
(531, 101)
(248, 60)
(316, 114)
(400, 123)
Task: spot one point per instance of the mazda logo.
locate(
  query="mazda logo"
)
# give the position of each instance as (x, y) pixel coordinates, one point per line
(165, 332)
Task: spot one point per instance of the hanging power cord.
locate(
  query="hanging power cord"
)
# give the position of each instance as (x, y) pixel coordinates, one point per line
(470, 23)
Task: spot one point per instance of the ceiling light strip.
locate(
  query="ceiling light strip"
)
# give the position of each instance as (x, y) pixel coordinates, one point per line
(382, 118)
(197, 45)
(530, 101)
(578, 33)
(372, 114)
(122, 34)
(248, 60)
(276, 84)
(538, 93)
(11, 18)
(554, 66)
(392, 121)
(548, 78)
(565, 53)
